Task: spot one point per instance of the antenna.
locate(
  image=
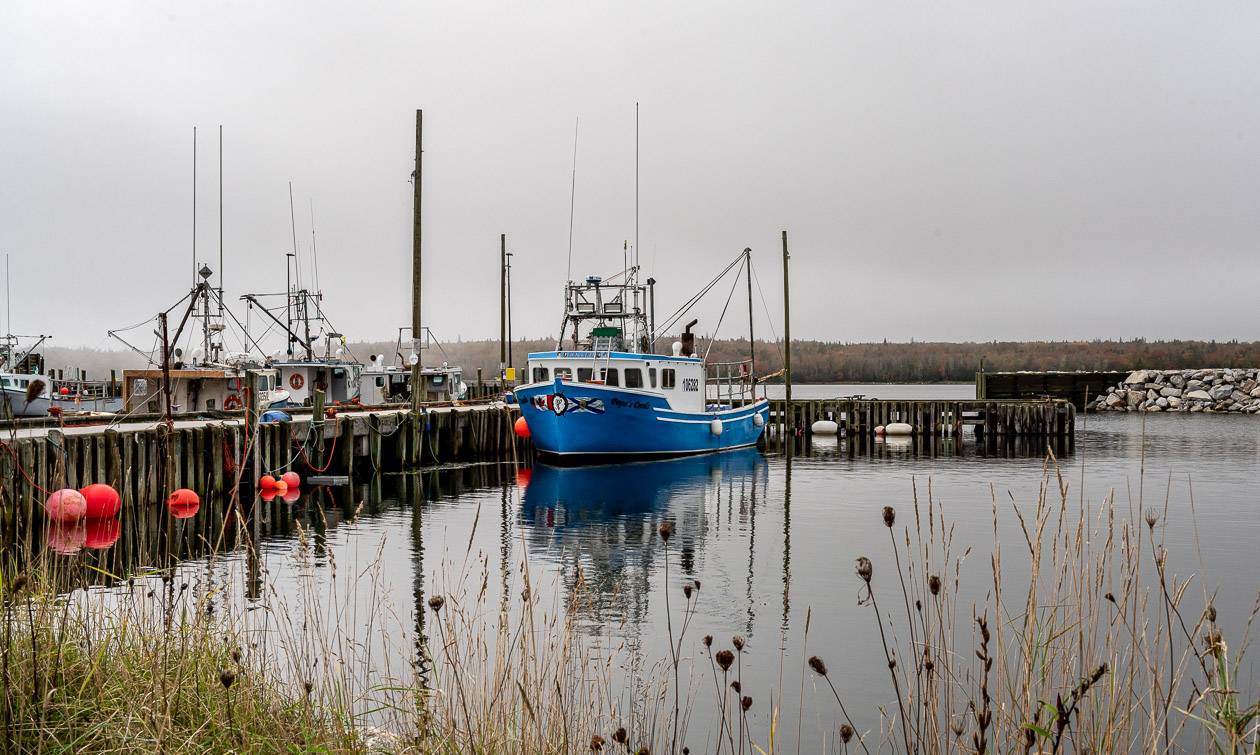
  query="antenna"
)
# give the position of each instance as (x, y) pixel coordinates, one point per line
(8, 297)
(220, 220)
(314, 252)
(293, 227)
(572, 193)
(194, 209)
(636, 184)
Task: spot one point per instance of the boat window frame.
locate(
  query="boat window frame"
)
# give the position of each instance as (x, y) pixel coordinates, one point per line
(611, 376)
(669, 378)
(585, 374)
(564, 374)
(634, 377)
(652, 377)
(540, 374)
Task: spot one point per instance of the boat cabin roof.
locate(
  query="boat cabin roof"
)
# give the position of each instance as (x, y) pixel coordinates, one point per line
(539, 355)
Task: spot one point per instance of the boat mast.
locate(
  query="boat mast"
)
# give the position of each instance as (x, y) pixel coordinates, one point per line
(752, 349)
(416, 261)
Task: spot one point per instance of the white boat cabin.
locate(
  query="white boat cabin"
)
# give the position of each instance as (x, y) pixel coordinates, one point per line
(679, 380)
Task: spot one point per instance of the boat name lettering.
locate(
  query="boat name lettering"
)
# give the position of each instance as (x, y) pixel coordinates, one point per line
(623, 404)
(581, 355)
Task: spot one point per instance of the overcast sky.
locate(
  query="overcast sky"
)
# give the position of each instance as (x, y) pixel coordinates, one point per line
(946, 171)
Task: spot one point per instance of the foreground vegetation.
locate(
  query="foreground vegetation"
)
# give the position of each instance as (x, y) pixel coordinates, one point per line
(1099, 648)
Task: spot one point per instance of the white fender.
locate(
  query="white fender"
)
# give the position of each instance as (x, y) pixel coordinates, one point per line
(715, 427)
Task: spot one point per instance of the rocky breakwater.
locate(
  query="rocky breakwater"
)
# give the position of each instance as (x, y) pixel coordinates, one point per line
(1219, 390)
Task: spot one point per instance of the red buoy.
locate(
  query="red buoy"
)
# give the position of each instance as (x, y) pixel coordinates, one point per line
(102, 501)
(291, 479)
(521, 427)
(268, 496)
(266, 482)
(101, 533)
(65, 505)
(292, 495)
(522, 477)
(183, 503)
(64, 391)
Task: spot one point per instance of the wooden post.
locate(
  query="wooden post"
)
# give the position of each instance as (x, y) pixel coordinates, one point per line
(417, 330)
(787, 329)
(502, 306)
(166, 372)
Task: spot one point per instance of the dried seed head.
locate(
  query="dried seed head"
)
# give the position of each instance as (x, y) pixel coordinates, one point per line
(436, 603)
(892, 663)
(597, 743)
(724, 659)
(18, 583)
(736, 686)
(738, 642)
(956, 727)
(236, 655)
(643, 750)
(308, 686)
(890, 516)
(708, 640)
(696, 582)
(1110, 597)
(619, 736)
(687, 591)
(1209, 613)
(1151, 518)
(865, 569)
(934, 584)
(846, 733)
(745, 703)
(226, 677)
(666, 530)
(817, 665)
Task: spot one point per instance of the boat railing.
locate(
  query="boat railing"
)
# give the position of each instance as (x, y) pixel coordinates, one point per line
(727, 382)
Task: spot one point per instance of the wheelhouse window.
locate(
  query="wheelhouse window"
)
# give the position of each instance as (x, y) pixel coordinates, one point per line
(652, 377)
(611, 377)
(668, 379)
(634, 377)
(584, 374)
(564, 373)
(540, 374)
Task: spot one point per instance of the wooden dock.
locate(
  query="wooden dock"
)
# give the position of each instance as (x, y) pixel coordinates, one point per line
(1052, 420)
(1072, 386)
(145, 460)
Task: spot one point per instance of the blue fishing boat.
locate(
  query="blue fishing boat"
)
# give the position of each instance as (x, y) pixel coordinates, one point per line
(608, 395)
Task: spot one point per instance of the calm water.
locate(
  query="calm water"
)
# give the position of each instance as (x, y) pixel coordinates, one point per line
(770, 541)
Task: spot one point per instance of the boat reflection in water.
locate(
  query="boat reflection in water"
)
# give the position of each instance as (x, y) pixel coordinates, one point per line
(599, 524)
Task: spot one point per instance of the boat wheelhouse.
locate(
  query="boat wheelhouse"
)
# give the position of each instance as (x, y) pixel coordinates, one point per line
(609, 395)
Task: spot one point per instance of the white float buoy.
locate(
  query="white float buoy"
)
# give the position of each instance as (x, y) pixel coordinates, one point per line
(899, 428)
(824, 427)
(879, 431)
(758, 420)
(715, 427)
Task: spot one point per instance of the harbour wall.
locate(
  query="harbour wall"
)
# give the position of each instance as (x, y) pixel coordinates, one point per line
(1216, 390)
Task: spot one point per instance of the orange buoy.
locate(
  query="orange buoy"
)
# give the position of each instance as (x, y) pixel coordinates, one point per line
(522, 476)
(280, 487)
(266, 482)
(67, 538)
(292, 495)
(521, 427)
(291, 479)
(101, 533)
(102, 501)
(65, 505)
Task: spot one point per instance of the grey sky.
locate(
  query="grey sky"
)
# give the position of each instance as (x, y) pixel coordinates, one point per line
(950, 171)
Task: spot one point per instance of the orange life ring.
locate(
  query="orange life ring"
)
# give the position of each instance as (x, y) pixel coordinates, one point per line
(232, 402)
(296, 381)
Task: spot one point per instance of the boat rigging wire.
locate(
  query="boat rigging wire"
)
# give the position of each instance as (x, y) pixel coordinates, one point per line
(682, 311)
(572, 196)
(712, 338)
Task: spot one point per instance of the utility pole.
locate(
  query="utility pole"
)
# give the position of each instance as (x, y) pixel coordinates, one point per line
(502, 305)
(752, 347)
(787, 335)
(416, 327)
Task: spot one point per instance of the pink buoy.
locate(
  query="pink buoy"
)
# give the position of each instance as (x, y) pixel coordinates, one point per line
(521, 427)
(101, 533)
(292, 495)
(102, 501)
(65, 505)
(291, 479)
